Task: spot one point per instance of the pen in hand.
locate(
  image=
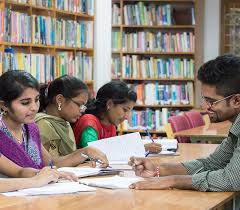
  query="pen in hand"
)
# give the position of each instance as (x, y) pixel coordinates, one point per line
(92, 159)
(147, 153)
(50, 164)
(149, 135)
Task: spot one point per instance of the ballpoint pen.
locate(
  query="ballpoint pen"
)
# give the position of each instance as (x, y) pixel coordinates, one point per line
(50, 164)
(172, 149)
(149, 135)
(147, 153)
(92, 159)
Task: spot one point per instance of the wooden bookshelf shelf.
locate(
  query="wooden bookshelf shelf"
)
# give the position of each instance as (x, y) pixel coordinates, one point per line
(168, 74)
(159, 1)
(17, 4)
(164, 106)
(157, 53)
(37, 20)
(46, 46)
(159, 26)
(42, 8)
(17, 44)
(116, 52)
(81, 15)
(157, 79)
(116, 26)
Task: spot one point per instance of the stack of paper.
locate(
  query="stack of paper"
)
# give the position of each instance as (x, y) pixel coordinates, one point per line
(115, 182)
(88, 171)
(81, 171)
(120, 148)
(56, 188)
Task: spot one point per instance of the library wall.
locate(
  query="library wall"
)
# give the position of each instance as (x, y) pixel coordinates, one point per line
(211, 29)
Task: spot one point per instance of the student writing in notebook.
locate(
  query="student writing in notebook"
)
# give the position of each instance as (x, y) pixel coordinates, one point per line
(25, 177)
(20, 138)
(113, 104)
(220, 171)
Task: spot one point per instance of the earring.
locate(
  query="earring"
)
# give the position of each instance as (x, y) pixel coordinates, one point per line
(4, 112)
(59, 107)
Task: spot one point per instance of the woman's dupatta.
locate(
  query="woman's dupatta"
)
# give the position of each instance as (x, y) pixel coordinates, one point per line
(16, 153)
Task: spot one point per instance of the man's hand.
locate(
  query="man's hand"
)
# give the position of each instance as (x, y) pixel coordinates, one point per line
(142, 166)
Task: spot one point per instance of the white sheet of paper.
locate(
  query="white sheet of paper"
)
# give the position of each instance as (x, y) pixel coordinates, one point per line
(115, 182)
(120, 148)
(55, 188)
(80, 171)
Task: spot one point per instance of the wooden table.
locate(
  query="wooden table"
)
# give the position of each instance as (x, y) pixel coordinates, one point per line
(128, 199)
(214, 132)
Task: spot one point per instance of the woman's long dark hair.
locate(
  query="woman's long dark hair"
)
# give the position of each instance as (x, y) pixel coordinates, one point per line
(66, 85)
(13, 83)
(117, 91)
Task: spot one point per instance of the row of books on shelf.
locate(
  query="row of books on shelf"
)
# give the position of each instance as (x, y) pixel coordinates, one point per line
(116, 67)
(75, 6)
(180, 93)
(116, 14)
(151, 14)
(46, 30)
(151, 119)
(143, 13)
(41, 3)
(133, 67)
(143, 41)
(79, 6)
(45, 67)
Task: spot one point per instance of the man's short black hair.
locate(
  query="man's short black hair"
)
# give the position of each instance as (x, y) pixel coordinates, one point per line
(222, 72)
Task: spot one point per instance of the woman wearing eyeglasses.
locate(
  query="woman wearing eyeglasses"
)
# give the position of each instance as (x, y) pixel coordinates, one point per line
(61, 103)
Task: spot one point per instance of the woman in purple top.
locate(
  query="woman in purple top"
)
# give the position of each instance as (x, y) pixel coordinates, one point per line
(19, 135)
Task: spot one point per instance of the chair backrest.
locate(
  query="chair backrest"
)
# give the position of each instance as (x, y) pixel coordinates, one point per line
(195, 118)
(179, 123)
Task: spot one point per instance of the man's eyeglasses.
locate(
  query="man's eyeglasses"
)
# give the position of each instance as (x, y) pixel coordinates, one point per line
(211, 103)
(82, 107)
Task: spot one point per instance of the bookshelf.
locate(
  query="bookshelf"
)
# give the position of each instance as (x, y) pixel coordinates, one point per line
(48, 38)
(230, 27)
(156, 49)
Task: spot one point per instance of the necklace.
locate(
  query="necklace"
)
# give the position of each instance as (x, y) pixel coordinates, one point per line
(16, 138)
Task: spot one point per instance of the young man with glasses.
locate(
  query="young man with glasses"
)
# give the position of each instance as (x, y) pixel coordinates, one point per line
(220, 171)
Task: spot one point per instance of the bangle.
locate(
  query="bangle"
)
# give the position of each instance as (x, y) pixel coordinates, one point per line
(157, 173)
(37, 172)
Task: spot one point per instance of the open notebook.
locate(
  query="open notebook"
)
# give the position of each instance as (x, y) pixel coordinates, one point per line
(53, 189)
(120, 148)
